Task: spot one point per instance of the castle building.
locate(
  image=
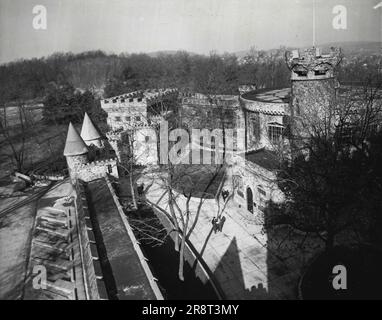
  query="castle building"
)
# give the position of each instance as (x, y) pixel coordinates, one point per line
(76, 151)
(133, 120)
(263, 115)
(88, 159)
(111, 257)
(266, 115)
(307, 104)
(314, 88)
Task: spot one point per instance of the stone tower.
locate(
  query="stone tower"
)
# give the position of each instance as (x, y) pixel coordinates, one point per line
(76, 151)
(90, 134)
(313, 88)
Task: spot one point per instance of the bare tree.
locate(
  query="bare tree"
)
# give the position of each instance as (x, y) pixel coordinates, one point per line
(332, 179)
(15, 135)
(187, 187)
(163, 110)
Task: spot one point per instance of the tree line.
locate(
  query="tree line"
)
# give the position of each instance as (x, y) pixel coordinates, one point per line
(29, 79)
(103, 75)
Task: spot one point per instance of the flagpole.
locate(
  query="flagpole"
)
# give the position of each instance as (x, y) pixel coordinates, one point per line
(314, 23)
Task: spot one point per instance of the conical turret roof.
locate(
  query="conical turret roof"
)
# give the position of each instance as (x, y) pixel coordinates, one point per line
(89, 131)
(74, 144)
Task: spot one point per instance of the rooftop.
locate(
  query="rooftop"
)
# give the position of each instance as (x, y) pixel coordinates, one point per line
(269, 95)
(74, 144)
(124, 274)
(264, 158)
(89, 131)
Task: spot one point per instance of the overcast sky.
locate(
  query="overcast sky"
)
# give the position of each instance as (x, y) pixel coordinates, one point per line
(193, 25)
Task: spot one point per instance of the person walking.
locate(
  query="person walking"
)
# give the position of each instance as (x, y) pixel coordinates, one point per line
(214, 224)
(221, 223)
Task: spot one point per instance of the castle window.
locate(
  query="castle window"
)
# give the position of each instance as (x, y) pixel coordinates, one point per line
(261, 191)
(131, 100)
(319, 72)
(213, 146)
(117, 118)
(275, 132)
(109, 168)
(137, 118)
(301, 73)
(127, 118)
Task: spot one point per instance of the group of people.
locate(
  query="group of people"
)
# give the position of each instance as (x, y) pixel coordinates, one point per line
(217, 223)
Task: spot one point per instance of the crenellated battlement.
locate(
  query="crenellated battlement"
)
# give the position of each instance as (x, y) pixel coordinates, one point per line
(312, 64)
(145, 97)
(98, 163)
(96, 169)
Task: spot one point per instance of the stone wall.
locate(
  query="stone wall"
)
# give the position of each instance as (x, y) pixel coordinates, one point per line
(312, 102)
(260, 181)
(97, 169)
(257, 126)
(191, 255)
(119, 142)
(145, 147)
(198, 113)
(131, 109)
(74, 162)
(137, 248)
(256, 116)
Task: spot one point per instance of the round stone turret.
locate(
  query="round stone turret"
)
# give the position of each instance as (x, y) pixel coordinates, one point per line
(75, 151)
(313, 91)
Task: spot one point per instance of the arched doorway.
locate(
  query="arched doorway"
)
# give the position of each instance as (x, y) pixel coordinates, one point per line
(249, 200)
